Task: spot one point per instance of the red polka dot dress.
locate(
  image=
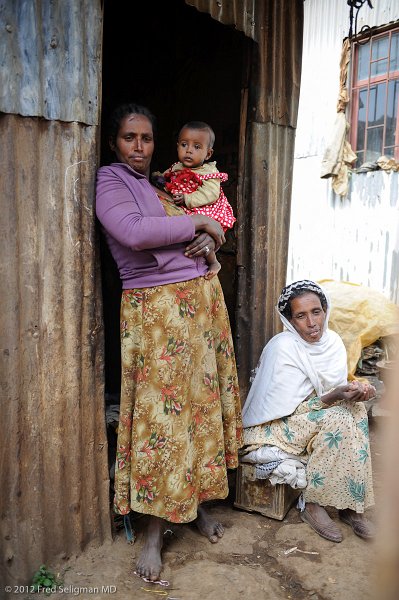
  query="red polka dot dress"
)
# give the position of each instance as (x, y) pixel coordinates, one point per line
(203, 193)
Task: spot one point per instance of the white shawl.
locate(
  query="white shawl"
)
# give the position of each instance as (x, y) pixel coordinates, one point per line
(289, 369)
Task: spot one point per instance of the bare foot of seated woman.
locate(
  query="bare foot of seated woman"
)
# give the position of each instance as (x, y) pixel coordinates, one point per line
(208, 526)
(149, 563)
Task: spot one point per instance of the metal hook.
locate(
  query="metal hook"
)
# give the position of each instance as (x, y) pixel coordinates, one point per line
(356, 4)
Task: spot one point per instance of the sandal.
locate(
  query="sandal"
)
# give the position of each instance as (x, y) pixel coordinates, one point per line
(362, 528)
(327, 529)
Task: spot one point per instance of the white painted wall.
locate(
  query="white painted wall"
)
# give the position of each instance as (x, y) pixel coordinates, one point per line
(357, 238)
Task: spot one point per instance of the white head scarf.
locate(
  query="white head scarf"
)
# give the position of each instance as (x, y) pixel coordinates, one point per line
(290, 368)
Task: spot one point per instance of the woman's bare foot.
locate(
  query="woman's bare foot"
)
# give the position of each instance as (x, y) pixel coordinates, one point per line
(149, 563)
(208, 526)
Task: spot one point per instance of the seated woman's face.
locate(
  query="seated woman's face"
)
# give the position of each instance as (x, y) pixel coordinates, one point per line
(308, 316)
(134, 143)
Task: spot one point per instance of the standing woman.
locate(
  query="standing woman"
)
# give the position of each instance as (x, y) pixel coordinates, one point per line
(180, 415)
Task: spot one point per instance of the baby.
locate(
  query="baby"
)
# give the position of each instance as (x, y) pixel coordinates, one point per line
(196, 185)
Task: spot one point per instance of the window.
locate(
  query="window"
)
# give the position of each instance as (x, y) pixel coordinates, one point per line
(375, 97)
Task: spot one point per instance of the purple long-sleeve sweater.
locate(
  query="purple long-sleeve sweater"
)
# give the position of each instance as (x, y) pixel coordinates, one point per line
(147, 246)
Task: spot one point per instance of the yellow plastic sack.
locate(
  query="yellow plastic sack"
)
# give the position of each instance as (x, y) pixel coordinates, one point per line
(361, 316)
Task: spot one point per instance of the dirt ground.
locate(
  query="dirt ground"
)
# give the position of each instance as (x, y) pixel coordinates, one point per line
(258, 558)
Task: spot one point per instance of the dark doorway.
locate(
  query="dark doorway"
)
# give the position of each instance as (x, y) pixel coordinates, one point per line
(184, 66)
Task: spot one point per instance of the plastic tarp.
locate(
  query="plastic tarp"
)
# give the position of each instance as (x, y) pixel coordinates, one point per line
(360, 315)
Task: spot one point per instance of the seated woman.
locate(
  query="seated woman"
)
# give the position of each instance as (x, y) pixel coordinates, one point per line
(301, 402)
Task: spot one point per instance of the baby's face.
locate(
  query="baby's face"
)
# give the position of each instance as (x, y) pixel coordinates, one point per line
(193, 147)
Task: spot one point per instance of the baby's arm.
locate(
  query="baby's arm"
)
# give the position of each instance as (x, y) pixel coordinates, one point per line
(207, 193)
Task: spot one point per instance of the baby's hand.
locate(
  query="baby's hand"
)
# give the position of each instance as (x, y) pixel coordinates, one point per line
(178, 199)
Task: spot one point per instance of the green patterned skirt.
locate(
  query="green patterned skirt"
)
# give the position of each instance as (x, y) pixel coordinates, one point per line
(335, 441)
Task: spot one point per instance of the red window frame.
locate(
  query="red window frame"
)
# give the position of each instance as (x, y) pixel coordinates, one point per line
(366, 84)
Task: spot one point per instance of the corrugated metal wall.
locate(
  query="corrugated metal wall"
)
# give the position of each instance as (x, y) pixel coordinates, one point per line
(53, 454)
(54, 487)
(243, 14)
(326, 24)
(355, 239)
(264, 203)
(269, 115)
(49, 59)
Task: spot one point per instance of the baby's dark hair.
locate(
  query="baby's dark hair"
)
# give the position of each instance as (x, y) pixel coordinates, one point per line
(122, 111)
(201, 125)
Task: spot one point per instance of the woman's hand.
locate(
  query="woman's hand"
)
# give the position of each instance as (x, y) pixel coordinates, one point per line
(200, 245)
(365, 390)
(352, 392)
(214, 228)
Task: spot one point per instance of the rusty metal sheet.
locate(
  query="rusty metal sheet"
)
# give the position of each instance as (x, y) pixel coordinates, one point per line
(277, 27)
(50, 59)
(240, 13)
(267, 135)
(262, 241)
(53, 450)
(264, 191)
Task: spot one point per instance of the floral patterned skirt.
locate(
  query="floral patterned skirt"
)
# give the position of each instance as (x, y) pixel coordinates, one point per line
(180, 415)
(335, 441)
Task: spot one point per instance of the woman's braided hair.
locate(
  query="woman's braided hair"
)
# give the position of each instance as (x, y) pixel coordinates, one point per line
(298, 288)
(122, 111)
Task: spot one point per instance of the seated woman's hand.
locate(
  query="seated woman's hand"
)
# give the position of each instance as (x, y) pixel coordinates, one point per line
(366, 389)
(356, 391)
(200, 245)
